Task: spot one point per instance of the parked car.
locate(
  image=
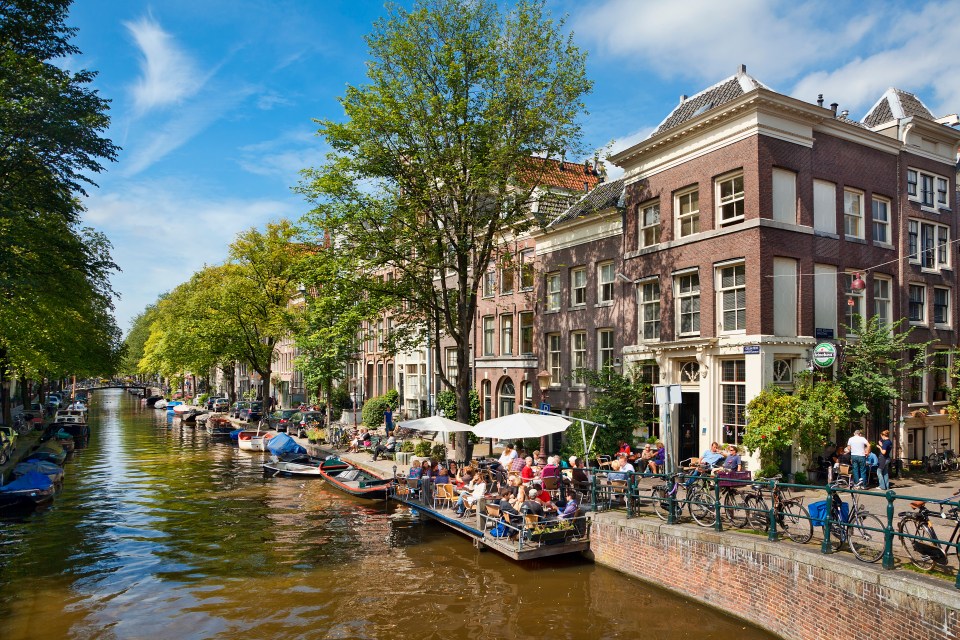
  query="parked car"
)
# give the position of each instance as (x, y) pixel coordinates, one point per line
(9, 435)
(253, 412)
(221, 404)
(237, 408)
(280, 420)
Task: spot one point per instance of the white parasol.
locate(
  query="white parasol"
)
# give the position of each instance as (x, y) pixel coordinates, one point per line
(435, 423)
(521, 425)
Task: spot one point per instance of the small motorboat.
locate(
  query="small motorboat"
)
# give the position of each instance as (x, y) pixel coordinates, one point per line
(51, 451)
(354, 480)
(160, 404)
(77, 406)
(28, 491)
(49, 469)
(254, 440)
(219, 426)
(65, 440)
(172, 407)
(294, 469)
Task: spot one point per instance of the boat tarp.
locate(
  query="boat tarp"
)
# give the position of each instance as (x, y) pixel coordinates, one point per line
(41, 466)
(282, 444)
(28, 481)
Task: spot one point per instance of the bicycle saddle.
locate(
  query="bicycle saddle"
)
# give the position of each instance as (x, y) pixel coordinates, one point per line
(918, 504)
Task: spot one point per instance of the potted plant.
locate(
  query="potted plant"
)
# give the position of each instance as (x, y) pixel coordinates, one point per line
(422, 449)
(313, 435)
(552, 532)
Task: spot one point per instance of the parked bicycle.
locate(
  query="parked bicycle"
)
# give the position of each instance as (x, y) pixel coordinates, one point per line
(919, 539)
(859, 529)
(792, 517)
(698, 498)
(942, 459)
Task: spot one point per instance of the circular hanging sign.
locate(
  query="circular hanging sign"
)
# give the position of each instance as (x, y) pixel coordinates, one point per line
(824, 354)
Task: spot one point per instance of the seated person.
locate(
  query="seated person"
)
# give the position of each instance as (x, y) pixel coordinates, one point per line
(615, 475)
(732, 462)
(625, 465)
(581, 479)
(514, 485)
(708, 460)
(526, 474)
(550, 470)
(624, 448)
(569, 509)
(507, 510)
(506, 458)
(471, 494)
(358, 440)
(544, 497)
(872, 462)
(464, 476)
(531, 506)
(443, 476)
(389, 447)
(655, 465)
(518, 463)
(415, 471)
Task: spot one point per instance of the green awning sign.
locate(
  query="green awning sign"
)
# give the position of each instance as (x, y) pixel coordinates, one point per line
(824, 354)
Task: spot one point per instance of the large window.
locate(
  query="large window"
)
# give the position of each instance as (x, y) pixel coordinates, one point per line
(553, 292)
(452, 368)
(733, 297)
(881, 300)
(916, 391)
(526, 332)
(858, 298)
(687, 207)
(929, 244)
(733, 389)
(508, 397)
(578, 287)
(930, 190)
(940, 374)
(578, 356)
(489, 283)
(506, 335)
(526, 270)
(604, 348)
(650, 310)
(688, 304)
(553, 358)
(730, 199)
(488, 331)
(917, 296)
(605, 278)
(506, 278)
(649, 224)
(941, 306)
(853, 213)
(881, 220)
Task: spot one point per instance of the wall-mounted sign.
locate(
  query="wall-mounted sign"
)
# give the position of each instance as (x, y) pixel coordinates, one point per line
(823, 334)
(824, 354)
(751, 349)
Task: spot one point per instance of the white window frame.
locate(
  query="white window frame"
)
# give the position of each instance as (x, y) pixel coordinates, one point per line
(553, 291)
(920, 288)
(883, 299)
(853, 226)
(945, 324)
(733, 379)
(724, 203)
(880, 224)
(489, 283)
(691, 218)
(489, 335)
(604, 349)
(606, 275)
(934, 198)
(859, 306)
(688, 293)
(554, 365)
(649, 222)
(578, 287)
(928, 245)
(721, 290)
(578, 356)
(648, 292)
(506, 334)
(527, 276)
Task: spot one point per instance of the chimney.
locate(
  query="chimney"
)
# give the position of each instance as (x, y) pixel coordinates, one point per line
(683, 98)
(820, 100)
(742, 70)
(833, 107)
(844, 113)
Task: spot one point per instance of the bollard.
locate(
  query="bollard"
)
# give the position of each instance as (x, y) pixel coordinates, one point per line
(772, 514)
(717, 524)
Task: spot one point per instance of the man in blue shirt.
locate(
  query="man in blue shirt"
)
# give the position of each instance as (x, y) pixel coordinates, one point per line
(710, 459)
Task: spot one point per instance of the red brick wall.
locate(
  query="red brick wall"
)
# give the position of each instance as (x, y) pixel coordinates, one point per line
(793, 591)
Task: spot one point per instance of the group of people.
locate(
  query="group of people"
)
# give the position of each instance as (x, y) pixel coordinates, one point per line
(859, 457)
(650, 459)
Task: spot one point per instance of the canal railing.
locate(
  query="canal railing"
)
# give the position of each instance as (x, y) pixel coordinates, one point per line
(710, 501)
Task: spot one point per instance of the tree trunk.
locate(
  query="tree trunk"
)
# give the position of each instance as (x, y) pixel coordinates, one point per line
(5, 387)
(329, 391)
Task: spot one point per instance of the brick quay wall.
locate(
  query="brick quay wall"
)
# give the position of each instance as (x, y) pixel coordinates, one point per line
(791, 590)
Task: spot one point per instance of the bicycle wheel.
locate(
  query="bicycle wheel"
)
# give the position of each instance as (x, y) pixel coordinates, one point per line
(660, 499)
(757, 517)
(795, 521)
(914, 548)
(733, 512)
(701, 505)
(866, 544)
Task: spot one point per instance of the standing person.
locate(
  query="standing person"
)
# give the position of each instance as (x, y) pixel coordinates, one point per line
(883, 459)
(859, 448)
(388, 421)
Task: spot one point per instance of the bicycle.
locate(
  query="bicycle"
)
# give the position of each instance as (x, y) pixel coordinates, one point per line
(861, 530)
(21, 426)
(791, 516)
(937, 461)
(919, 539)
(700, 502)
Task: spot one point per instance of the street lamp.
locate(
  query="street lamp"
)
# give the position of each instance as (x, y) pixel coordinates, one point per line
(543, 381)
(353, 388)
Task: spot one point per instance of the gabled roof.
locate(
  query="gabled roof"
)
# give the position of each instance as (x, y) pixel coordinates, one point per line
(896, 104)
(606, 195)
(547, 172)
(710, 98)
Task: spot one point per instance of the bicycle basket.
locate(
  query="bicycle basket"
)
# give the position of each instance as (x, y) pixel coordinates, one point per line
(729, 478)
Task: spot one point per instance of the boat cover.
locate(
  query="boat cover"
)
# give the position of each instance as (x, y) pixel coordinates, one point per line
(235, 434)
(282, 444)
(42, 466)
(32, 480)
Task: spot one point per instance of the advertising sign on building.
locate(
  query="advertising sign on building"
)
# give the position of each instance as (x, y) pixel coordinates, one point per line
(824, 354)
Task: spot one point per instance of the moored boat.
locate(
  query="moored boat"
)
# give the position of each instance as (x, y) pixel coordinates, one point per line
(65, 440)
(49, 469)
(29, 490)
(354, 480)
(218, 426)
(160, 404)
(50, 451)
(254, 440)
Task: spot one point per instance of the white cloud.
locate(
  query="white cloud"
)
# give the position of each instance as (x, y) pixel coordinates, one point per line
(270, 100)
(168, 74)
(284, 156)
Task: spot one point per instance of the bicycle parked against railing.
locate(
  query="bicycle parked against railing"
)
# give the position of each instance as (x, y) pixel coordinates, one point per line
(699, 499)
(860, 529)
(791, 516)
(930, 550)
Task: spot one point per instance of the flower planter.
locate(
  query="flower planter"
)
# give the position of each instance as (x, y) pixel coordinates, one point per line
(551, 537)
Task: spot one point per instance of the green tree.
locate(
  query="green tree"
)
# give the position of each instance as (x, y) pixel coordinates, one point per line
(432, 166)
(771, 425)
(621, 403)
(819, 407)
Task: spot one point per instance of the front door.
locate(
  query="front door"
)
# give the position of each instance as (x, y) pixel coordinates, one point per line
(689, 424)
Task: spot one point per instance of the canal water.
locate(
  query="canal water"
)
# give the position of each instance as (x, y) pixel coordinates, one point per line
(162, 532)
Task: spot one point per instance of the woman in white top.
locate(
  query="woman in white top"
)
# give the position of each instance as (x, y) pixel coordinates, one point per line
(509, 453)
(477, 489)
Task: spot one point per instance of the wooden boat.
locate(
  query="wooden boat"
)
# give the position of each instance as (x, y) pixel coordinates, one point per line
(354, 480)
(191, 415)
(50, 451)
(28, 491)
(254, 440)
(296, 469)
(65, 440)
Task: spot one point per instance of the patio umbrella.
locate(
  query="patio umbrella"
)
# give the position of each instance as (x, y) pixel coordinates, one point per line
(435, 423)
(521, 425)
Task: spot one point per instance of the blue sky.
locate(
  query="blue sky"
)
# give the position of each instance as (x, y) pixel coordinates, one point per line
(213, 100)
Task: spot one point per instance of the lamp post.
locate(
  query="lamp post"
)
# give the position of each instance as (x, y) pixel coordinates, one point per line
(543, 381)
(353, 388)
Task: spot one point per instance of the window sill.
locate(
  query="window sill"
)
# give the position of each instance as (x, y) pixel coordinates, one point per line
(945, 327)
(826, 234)
(546, 311)
(856, 239)
(734, 332)
(726, 223)
(507, 293)
(606, 303)
(917, 323)
(883, 245)
(579, 307)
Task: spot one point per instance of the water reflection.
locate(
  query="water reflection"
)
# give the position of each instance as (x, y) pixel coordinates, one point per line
(162, 532)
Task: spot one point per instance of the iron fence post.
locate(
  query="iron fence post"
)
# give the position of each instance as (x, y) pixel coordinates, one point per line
(593, 491)
(825, 545)
(672, 500)
(716, 505)
(629, 495)
(772, 514)
(888, 562)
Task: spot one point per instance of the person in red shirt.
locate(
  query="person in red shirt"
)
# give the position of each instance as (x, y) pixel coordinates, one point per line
(624, 448)
(526, 474)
